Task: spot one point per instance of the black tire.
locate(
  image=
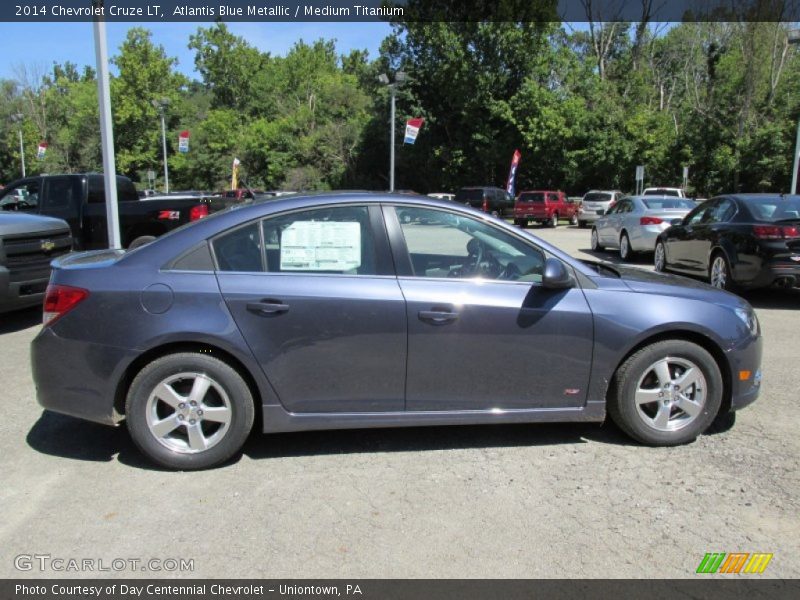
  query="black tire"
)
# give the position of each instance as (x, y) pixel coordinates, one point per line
(596, 245)
(628, 254)
(622, 405)
(140, 241)
(227, 378)
(520, 223)
(660, 257)
(582, 224)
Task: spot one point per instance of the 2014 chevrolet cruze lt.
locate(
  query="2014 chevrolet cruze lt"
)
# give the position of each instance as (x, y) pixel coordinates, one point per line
(364, 310)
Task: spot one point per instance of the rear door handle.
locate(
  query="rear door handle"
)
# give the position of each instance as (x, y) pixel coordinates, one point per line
(437, 317)
(267, 307)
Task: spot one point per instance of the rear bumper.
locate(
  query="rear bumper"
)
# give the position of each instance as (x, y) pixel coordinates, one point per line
(745, 357)
(77, 378)
(16, 293)
(771, 272)
(588, 217)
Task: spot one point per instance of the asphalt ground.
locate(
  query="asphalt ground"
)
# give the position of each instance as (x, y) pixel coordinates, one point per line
(571, 500)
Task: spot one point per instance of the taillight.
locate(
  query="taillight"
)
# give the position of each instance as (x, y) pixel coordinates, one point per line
(776, 232)
(59, 300)
(650, 221)
(198, 212)
(485, 206)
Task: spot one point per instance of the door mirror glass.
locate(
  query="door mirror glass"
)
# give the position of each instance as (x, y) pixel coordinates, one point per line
(556, 276)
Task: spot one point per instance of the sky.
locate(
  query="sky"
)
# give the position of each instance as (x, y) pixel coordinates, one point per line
(44, 43)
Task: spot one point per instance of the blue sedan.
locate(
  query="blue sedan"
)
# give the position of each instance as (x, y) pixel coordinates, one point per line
(368, 310)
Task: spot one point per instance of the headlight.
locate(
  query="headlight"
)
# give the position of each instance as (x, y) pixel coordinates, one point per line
(748, 317)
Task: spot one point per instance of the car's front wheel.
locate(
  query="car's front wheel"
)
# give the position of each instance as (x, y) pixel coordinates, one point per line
(554, 220)
(667, 393)
(719, 273)
(189, 411)
(625, 251)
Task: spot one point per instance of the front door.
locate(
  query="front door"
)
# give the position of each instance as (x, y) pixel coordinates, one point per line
(314, 294)
(482, 332)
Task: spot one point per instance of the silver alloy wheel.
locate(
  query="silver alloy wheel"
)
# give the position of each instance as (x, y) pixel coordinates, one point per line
(574, 220)
(624, 247)
(660, 259)
(595, 240)
(188, 412)
(554, 220)
(670, 394)
(719, 273)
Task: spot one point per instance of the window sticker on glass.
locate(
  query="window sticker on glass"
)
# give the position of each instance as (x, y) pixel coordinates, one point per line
(321, 246)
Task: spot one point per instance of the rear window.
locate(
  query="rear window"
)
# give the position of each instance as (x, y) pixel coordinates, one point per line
(775, 208)
(662, 192)
(464, 195)
(597, 197)
(531, 197)
(668, 204)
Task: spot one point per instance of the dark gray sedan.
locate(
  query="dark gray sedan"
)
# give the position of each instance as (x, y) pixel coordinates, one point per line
(329, 311)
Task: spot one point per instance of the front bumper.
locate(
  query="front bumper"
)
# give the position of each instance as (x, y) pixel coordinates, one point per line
(78, 378)
(745, 357)
(16, 292)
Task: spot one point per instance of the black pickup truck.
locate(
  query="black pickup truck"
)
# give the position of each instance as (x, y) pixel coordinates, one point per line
(27, 245)
(79, 199)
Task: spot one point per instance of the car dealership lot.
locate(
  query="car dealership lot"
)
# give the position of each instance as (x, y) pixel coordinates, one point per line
(497, 501)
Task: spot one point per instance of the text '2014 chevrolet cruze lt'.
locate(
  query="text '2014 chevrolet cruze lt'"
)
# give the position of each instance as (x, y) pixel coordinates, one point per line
(366, 310)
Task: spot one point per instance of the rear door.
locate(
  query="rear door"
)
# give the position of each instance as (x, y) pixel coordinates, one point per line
(313, 292)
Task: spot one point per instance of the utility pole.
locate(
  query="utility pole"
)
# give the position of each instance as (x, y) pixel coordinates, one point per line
(17, 118)
(161, 106)
(794, 38)
(106, 130)
(399, 79)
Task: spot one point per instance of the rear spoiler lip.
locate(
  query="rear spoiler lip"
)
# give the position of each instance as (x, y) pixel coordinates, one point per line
(88, 259)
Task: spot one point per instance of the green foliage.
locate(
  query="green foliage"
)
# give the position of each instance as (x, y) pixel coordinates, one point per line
(584, 107)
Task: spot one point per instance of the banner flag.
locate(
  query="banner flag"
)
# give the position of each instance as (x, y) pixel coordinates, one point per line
(512, 174)
(183, 142)
(42, 150)
(412, 130)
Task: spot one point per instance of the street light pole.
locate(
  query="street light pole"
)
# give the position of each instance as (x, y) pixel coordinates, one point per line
(399, 79)
(794, 38)
(17, 118)
(161, 105)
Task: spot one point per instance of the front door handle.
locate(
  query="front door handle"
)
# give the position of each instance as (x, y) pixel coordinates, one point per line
(437, 317)
(267, 307)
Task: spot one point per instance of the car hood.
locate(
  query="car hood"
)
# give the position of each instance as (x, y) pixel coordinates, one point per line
(15, 223)
(664, 284)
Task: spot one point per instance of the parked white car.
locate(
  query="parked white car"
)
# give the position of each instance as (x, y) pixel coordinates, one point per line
(664, 191)
(634, 223)
(595, 203)
(442, 196)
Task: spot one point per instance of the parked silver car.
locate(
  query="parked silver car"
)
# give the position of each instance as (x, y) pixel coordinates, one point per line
(595, 203)
(634, 223)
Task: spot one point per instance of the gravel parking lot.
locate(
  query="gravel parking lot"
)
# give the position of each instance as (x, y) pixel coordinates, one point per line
(496, 501)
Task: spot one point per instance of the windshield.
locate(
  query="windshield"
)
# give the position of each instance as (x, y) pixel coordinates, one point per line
(774, 208)
(668, 204)
(597, 197)
(476, 194)
(531, 197)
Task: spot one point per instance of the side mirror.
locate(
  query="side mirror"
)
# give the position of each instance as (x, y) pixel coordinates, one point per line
(556, 276)
(676, 222)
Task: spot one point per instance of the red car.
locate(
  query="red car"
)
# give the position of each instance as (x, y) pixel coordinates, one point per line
(545, 207)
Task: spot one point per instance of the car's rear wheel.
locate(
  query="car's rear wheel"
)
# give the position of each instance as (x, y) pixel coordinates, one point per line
(189, 411)
(574, 220)
(667, 393)
(719, 273)
(554, 220)
(625, 251)
(660, 257)
(596, 245)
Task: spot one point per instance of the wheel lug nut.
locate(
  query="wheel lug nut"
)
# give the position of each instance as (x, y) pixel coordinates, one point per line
(193, 403)
(199, 413)
(182, 405)
(192, 421)
(180, 417)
